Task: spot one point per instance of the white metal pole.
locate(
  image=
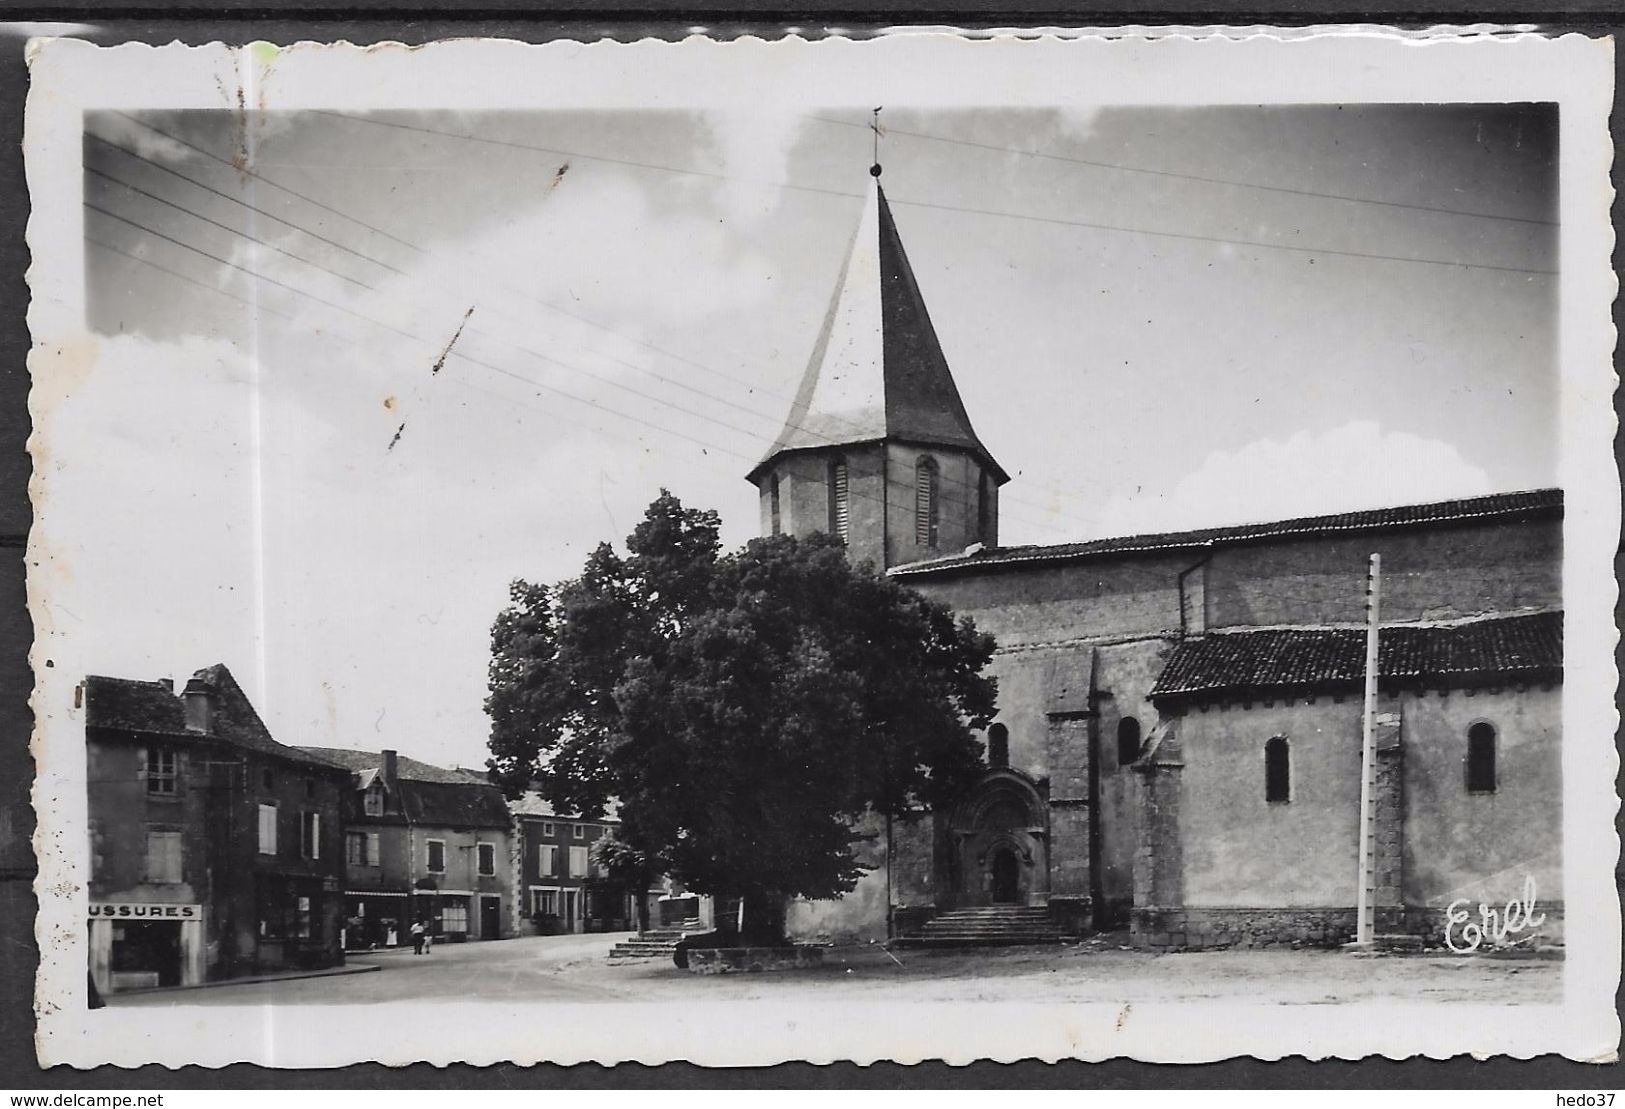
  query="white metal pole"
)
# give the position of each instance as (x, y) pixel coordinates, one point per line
(1364, 910)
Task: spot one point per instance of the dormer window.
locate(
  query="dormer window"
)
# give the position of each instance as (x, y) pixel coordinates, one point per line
(372, 800)
(926, 509)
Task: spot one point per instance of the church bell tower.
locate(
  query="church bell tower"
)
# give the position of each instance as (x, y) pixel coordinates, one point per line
(877, 447)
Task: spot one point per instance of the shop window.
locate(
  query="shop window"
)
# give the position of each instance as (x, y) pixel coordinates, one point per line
(547, 860)
(1128, 740)
(546, 902)
(578, 862)
(454, 917)
(1481, 758)
(372, 802)
(487, 853)
(163, 771)
(1277, 771)
(301, 919)
(998, 745)
(164, 856)
(267, 829)
(774, 506)
(839, 513)
(927, 512)
(437, 856)
(310, 835)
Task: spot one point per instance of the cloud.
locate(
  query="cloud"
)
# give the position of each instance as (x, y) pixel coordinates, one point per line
(1355, 466)
(755, 149)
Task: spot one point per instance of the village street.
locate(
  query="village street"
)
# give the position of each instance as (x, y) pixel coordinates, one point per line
(576, 969)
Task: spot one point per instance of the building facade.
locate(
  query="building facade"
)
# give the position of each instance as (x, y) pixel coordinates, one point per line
(1172, 750)
(215, 850)
(422, 843)
(564, 888)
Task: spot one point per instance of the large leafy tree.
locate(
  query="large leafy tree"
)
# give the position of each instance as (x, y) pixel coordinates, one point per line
(746, 709)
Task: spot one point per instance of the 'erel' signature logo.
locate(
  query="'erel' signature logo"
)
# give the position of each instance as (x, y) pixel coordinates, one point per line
(1492, 925)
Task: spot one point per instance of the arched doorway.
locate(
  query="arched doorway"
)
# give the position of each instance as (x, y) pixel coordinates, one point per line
(1000, 843)
(1006, 877)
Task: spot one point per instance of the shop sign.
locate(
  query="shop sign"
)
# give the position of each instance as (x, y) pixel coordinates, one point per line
(143, 910)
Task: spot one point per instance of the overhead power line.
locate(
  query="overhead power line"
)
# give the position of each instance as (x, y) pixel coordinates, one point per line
(1051, 220)
(1123, 168)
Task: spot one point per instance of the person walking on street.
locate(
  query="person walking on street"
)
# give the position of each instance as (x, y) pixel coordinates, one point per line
(417, 937)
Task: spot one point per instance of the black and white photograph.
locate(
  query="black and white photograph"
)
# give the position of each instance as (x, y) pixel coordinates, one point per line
(937, 554)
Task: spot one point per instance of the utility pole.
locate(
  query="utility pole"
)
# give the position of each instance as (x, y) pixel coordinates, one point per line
(1365, 910)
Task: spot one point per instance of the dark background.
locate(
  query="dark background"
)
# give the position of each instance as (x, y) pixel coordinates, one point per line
(369, 21)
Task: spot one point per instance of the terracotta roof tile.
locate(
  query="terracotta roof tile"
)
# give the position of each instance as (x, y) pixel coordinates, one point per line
(1538, 503)
(1255, 663)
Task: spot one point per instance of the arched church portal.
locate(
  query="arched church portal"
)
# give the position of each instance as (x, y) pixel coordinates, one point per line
(1000, 843)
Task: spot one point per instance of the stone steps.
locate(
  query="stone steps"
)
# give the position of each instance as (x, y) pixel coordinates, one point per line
(987, 926)
(656, 943)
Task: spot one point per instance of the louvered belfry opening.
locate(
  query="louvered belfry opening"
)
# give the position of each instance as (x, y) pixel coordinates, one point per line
(927, 512)
(839, 513)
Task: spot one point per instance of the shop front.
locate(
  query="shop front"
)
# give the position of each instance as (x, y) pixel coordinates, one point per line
(146, 945)
(376, 919)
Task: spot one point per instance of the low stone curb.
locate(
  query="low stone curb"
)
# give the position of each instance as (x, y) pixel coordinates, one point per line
(752, 960)
(289, 976)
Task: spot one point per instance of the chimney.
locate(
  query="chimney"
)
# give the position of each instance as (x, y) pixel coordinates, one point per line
(168, 684)
(199, 699)
(390, 767)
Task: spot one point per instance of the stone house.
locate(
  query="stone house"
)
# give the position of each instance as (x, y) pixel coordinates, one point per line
(215, 850)
(425, 843)
(1151, 703)
(564, 888)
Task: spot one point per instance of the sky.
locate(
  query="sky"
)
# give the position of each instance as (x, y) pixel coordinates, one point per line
(355, 374)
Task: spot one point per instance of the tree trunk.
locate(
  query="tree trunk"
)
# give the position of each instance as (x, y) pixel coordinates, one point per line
(764, 920)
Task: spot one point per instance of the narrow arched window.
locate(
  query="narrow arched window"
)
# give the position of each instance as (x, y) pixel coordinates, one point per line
(984, 509)
(925, 501)
(838, 514)
(773, 498)
(1277, 771)
(1128, 740)
(1481, 758)
(998, 745)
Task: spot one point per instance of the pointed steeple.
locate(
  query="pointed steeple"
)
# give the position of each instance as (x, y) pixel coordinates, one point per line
(877, 372)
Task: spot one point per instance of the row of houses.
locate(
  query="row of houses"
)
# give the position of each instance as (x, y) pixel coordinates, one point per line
(217, 851)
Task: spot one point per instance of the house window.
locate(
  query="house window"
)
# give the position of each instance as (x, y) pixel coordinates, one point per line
(267, 829)
(310, 787)
(926, 509)
(162, 771)
(773, 498)
(487, 860)
(1277, 771)
(437, 856)
(310, 835)
(164, 857)
(578, 862)
(998, 745)
(547, 860)
(547, 829)
(838, 514)
(361, 848)
(372, 802)
(579, 831)
(267, 779)
(454, 917)
(545, 902)
(1128, 740)
(1481, 758)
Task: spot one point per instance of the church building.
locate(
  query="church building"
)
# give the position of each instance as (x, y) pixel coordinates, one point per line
(1180, 732)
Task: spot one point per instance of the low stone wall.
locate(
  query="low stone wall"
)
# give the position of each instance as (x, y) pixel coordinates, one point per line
(1198, 929)
(748, 960)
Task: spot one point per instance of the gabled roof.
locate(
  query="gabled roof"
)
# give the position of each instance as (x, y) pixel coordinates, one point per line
(1531, 504)
(1257, 663)
(531, 803)
(429, 794)
(153, 708)
(877, 370)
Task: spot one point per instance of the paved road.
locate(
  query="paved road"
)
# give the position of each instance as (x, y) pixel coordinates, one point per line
(526, 969)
